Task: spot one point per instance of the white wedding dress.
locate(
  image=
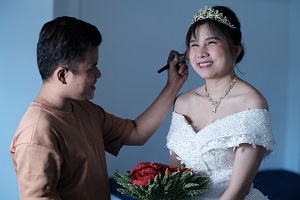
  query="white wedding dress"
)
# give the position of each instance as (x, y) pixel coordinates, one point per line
(211, 151)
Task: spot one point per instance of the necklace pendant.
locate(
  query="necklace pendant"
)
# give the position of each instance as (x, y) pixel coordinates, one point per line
(215, 104)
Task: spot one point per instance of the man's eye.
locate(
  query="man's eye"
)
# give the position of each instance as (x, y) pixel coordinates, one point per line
(93, 68)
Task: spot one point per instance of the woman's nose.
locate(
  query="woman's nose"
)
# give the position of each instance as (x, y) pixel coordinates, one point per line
(202, 53)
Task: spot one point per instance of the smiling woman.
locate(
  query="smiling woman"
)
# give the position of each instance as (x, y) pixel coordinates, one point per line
(226, 138)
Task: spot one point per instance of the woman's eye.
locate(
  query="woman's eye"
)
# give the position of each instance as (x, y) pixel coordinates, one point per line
(194, 45)
(212, 42)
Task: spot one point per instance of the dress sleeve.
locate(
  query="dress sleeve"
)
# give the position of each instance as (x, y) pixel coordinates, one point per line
(38, 171)
(251, 127)
(178, 137)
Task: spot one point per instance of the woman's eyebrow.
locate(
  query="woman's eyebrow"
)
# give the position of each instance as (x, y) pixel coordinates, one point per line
(212, 38)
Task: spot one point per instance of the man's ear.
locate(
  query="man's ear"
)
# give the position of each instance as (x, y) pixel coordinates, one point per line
(61, 74)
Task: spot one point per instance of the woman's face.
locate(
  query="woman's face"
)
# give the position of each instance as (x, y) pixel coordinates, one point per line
(210, 54)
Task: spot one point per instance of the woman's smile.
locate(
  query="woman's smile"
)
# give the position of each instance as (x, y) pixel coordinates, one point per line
(204, 65)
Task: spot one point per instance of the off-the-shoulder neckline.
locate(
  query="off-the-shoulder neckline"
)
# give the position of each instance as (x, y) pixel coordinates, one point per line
(218, 120)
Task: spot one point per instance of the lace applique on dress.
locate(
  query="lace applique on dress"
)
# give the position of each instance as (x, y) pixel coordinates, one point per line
(212, 150)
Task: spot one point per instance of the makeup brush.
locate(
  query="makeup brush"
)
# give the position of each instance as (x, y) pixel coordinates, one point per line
(167, 66)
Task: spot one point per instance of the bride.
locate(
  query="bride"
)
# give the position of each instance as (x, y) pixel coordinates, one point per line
(221, 129)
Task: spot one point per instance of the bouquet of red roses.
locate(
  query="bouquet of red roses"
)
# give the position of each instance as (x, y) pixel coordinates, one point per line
(157, 181)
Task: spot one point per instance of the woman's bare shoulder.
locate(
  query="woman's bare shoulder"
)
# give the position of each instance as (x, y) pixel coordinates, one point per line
(251, 97)
(187, 100)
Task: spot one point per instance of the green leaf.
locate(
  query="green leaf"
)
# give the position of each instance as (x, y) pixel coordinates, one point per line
(173, 187)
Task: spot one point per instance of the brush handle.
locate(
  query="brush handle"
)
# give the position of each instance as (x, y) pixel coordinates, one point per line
(167, 66)
(163, 68)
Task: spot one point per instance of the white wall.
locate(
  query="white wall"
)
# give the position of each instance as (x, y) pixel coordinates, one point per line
(137, 37)
(20, 23)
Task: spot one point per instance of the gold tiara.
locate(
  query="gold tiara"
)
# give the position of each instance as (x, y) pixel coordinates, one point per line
(210, 13)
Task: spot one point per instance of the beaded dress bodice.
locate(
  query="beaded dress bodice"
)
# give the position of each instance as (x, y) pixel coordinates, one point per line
(211, 151)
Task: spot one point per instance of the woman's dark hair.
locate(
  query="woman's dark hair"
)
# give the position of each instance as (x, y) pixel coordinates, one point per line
(232, 36)
(64, 41)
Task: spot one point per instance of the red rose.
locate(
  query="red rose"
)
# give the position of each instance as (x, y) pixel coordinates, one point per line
(163, 167)
(160, 168)
(142, 173)
(139, 183)
(145, 171)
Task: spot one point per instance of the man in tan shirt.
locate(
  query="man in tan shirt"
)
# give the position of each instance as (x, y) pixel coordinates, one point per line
(58, 150)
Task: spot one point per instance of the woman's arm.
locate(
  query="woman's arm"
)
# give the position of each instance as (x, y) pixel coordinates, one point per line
(246, 164)
(174, 162)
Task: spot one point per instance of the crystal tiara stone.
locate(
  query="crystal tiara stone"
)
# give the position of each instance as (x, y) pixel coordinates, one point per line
(210, 13)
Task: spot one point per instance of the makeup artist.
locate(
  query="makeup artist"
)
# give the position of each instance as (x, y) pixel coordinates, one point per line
(58, 150)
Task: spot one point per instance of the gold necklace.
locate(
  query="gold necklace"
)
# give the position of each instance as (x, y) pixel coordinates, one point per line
(215, 104)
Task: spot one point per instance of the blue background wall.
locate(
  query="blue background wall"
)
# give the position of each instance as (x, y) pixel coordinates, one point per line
(137, 37)
(20, 23)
